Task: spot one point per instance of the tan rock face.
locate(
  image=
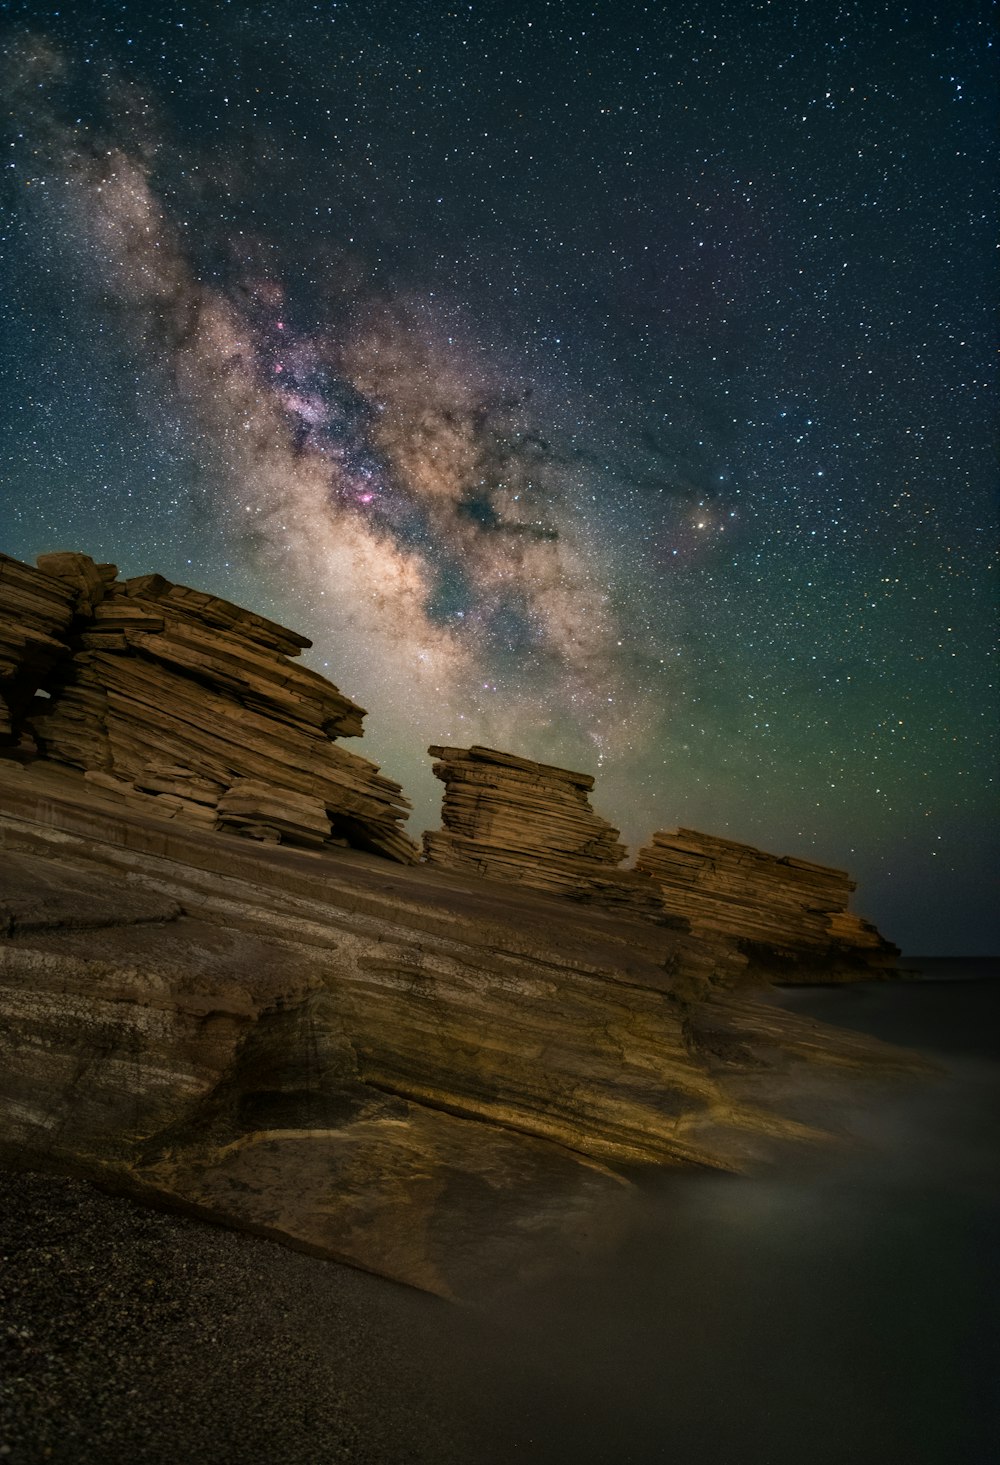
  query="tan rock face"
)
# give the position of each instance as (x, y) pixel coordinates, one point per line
(435, 1079)
(173, 696)
(437, 1072)
(36, 612)
(789, 916)
(511, 819)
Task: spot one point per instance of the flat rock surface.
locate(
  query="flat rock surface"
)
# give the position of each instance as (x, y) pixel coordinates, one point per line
(37, 895)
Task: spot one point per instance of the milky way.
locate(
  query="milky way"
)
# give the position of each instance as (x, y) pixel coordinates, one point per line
(609, 388)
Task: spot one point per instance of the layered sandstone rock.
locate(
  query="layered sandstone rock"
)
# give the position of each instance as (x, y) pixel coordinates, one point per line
(188, 704)
(438, 1081)
(508, 818)
(442, 1080)
(789, 915)
(36, 612)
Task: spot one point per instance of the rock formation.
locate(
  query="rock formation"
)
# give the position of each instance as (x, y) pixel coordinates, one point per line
(508, 818)
(187, 704)
(36, 612)
(788, 916)
(441, 1081)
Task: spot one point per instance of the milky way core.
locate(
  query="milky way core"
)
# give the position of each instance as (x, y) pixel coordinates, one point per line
(604, 385)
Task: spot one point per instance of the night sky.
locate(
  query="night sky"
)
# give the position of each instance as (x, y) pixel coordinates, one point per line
(607, 383)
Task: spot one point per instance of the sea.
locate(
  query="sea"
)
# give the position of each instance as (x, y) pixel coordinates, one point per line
(845, 1312)
(841, 1308)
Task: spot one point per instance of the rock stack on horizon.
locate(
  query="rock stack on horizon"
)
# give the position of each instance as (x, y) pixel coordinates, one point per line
(508, 818)
(785, 913)
(189, 705)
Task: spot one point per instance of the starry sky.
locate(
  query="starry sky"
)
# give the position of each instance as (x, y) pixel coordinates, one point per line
(605, 382)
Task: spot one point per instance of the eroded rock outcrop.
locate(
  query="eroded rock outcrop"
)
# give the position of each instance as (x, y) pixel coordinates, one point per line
(789, 916)
(36, 612)
(440, 1078)
(509, 818)
(442, 1081)
(175, 698)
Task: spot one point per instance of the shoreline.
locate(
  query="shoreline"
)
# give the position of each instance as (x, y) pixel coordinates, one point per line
(144, 1337)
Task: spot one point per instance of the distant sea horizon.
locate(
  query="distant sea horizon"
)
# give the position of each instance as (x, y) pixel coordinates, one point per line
(952, 968)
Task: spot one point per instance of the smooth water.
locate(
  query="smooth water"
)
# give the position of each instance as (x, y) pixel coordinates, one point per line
(840, 1309)
(846, 1311)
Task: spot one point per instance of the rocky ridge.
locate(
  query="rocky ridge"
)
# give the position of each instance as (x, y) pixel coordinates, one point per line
(195, 708)
(187, 704)
(509, 818)
(443, 1072)
(788, 916)
(446, 1081)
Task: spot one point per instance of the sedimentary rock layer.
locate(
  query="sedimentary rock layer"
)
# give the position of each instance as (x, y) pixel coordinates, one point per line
(165, 694)
(36, 612)
(508, 818)
(435, 1079)
(789, 915)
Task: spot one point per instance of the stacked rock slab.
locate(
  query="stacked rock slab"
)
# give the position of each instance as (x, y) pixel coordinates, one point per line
(194, 707)
(36, 612)
(789, 915)
(508, 818)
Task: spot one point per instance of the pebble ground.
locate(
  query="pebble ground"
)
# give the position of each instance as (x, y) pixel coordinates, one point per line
(135, 1337)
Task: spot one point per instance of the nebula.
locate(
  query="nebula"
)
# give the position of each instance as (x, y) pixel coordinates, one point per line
(613, 393)
(385, 473)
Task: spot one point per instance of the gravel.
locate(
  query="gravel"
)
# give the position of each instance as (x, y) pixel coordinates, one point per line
(132, 1335)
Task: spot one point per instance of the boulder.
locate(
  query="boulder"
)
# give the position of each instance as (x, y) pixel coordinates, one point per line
(248, 806)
